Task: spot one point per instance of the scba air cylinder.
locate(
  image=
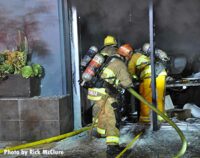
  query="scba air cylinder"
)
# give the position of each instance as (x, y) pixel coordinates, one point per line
(91, 69)
(89, 55)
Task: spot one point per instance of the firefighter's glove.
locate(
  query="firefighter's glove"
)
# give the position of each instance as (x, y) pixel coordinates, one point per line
(120, 90)
(111, 90)
(135, 79)
(135, 82)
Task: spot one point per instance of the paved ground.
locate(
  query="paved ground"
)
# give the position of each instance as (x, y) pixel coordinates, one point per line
(161, 144)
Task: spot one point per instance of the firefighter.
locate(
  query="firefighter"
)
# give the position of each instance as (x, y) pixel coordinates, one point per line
(139, 65)
(95, 94)
(115, 76)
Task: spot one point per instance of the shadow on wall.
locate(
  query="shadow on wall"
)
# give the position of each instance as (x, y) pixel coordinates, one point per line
(26, 20)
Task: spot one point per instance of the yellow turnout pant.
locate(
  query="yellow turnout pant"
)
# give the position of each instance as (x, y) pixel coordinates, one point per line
(106, 124)
(146, 92)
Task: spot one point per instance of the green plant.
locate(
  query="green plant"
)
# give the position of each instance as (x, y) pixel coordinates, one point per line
(27, 72)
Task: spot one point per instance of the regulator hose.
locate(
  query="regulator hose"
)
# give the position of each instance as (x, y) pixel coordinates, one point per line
(180, 133)
(45, 141)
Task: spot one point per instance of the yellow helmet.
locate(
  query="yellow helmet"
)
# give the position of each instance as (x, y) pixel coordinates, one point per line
(110, 40)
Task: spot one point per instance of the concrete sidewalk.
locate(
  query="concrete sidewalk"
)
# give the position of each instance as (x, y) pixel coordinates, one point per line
(164, 143)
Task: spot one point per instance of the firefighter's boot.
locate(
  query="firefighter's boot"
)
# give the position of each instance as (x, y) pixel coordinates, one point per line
(113, 150)
(97, 135)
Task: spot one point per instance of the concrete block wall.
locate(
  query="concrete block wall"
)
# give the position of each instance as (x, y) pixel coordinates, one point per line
(28, 119)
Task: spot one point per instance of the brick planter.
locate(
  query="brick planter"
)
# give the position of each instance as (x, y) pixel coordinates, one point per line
(30, 119)
(17, 86)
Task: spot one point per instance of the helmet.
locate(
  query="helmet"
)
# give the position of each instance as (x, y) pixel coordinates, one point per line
(110, 40)
(146, 47)
(160, 54)
(125, 50)
(93, 49)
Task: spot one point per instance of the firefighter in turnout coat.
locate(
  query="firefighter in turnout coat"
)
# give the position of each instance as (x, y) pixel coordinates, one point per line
(139, 65)
(114, 74)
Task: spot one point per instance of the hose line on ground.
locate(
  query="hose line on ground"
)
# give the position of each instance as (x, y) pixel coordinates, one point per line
(133, 92)
(180, 133)
(45, 141)
(129, 145)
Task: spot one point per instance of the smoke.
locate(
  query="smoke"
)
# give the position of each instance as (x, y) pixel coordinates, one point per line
(176, 24)
(126, 20)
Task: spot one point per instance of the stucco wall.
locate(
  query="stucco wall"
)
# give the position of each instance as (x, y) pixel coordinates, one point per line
(40, 21)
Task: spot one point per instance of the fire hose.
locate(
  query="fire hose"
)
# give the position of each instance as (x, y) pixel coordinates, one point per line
(129, 145)
(180, 133)
(134, 93)
(45, 141)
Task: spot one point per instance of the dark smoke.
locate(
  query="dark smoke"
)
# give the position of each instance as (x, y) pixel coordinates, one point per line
(177, 24)
(126, 20)
(178, 29)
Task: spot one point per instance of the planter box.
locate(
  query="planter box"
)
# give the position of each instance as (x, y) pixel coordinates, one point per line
(35, 118)
(17, 86)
